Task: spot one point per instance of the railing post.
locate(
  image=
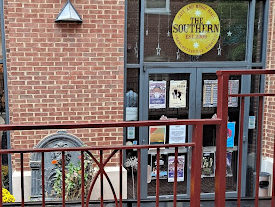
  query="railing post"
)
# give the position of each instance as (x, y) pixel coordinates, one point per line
(22, 179)
(1, 196)
(157, 181)
(120, 178)
(240, 152)
(175, 176)
(195, 189)
(273, 176)
(101, 178)
(63, 180)
(138, 178)
(259, 147)
(221, 138)
(82, 179)
(43, 178)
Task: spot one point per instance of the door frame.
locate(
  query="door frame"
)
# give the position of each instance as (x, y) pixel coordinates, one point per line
(245, 88)
(143, 131)
(195, 88)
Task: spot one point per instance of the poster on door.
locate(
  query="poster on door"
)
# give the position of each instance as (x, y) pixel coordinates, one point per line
(180, 168)
(210, 93)
(177, 134)
(230, 134)
(157, 134)
(208, 164)
(157, 94)
(229, 172)
(233, 88)
(177, 94)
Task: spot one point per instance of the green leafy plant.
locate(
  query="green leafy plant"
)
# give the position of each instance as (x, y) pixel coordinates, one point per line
(5, 176)
(73, 178)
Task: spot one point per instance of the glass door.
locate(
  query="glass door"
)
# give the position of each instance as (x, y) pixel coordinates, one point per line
(175, 93)
(171, 95)
(206, 102)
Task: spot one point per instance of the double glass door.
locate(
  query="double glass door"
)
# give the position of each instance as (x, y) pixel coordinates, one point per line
(177, 93)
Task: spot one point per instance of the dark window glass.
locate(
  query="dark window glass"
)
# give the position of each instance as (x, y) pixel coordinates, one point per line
(231, 45)
(258, 32)
(133, 31)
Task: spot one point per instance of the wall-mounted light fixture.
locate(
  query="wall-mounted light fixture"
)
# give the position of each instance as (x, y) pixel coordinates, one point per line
(68, 14)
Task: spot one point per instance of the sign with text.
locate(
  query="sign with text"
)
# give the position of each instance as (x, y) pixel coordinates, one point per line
(196, 29)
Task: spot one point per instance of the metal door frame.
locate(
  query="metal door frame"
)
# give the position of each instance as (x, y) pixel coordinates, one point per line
(195, 88)
(143, 114)
(245, 88)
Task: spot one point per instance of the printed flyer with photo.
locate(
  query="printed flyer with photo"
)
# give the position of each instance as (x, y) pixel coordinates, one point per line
(208, 164)
(233, 88)
(210, 93)
(157, 94)
(171, 168)
(177, 94)
(162, 167)
(229, 164)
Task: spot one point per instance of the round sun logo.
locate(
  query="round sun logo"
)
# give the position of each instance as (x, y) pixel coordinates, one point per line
(196, 29)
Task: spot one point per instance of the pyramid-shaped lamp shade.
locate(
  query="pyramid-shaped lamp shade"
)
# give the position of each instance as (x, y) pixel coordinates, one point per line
(68, 14)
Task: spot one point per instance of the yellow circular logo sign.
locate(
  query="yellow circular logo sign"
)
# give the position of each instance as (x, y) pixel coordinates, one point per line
(196, 29)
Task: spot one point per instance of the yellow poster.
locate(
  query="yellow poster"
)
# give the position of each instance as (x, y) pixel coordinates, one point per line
(157, 134)
(196, 29)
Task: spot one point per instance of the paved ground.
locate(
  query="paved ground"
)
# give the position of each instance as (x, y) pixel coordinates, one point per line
(247, 203)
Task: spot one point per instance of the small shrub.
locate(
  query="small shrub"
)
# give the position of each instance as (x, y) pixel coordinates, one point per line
(73, 178)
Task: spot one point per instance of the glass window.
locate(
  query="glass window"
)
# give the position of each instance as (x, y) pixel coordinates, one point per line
(132, 133)
(1, 54)
(159, 45)
(131, 100)
(258, 32)
(133, 31)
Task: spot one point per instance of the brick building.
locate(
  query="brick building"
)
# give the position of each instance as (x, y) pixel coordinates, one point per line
(81, 72)
(66, 72)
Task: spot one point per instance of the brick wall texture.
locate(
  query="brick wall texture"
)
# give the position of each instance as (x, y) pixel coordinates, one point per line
(269, 111)
(71, 73)
(65, 73)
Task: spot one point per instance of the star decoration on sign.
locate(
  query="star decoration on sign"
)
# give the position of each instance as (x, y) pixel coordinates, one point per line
(178, 54)
(259, 24)
(198, 13)
(136, 49)
(229, 33)
(158, 50)
(219, 50)
(196, 45)
(208, 22)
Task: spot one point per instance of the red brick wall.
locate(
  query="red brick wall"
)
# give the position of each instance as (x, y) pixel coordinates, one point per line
(65, 73)
(269, 112)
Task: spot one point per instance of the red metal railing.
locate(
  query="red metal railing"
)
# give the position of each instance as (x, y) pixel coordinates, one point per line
(223, 78)
(196, 145)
